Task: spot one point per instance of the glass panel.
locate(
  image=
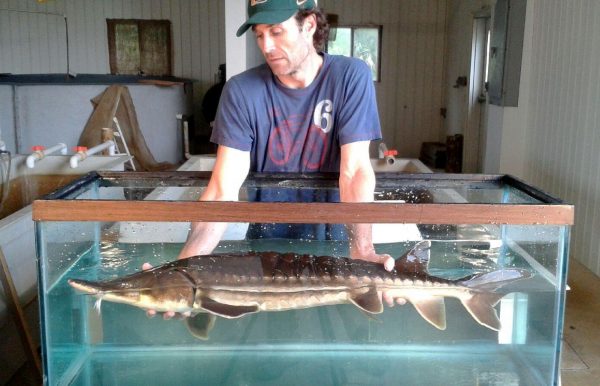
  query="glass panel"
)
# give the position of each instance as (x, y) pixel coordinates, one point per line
(342, 44)
(155, 37)
(366, 47)
(304, 189)
(324, 326)
(127, 48)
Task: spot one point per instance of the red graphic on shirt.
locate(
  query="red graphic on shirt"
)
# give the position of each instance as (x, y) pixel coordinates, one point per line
(293, 147)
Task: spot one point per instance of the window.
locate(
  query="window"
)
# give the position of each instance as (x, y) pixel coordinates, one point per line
(360, 42)
(140, 47)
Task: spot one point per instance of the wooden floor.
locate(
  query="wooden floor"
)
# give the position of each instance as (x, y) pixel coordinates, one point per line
(581, 353)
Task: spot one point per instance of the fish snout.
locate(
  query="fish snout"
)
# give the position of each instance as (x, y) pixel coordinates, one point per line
(85, 286)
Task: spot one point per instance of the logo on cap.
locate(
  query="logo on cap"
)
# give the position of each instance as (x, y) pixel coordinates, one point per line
(256, 2)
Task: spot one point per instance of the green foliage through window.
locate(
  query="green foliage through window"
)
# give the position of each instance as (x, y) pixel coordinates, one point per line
(359, 42)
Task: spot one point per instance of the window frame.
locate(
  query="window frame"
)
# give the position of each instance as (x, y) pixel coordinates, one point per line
(111, 25)
(353, 28)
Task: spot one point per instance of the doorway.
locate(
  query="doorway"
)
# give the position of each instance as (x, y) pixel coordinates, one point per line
(475, 131)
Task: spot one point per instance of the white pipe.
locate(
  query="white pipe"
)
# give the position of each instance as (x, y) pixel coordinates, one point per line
(83, 154)
(386, 154)
(382, 150)
(186, 140)
(41, 153)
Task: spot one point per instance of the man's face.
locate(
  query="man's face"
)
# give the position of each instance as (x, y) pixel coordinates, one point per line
(286, 46)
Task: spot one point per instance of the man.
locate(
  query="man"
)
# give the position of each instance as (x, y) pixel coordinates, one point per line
(302, 111)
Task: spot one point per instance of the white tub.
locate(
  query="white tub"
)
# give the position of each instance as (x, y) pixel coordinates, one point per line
(17, 237)
(400, 165)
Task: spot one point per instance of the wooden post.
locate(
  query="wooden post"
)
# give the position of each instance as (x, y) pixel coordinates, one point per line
(106, 135)
(14, 306)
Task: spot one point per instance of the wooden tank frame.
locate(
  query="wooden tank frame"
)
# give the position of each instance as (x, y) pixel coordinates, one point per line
(544, 209)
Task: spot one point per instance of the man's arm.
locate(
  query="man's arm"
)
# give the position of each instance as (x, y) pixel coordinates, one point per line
(357, 184)
(230, 171)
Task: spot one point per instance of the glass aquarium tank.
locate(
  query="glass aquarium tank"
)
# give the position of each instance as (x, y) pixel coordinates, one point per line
(479, 279)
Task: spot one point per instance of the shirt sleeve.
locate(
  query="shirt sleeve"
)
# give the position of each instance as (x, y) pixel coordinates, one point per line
(232, 127)
(358, 118)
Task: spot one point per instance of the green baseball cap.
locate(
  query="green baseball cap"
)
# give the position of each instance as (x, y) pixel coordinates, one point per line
(273, 11)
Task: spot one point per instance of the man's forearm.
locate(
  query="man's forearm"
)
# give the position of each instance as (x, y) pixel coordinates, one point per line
(358, 187)
(202, 239)
(230, 170)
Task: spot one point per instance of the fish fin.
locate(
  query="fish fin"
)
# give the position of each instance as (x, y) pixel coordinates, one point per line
(432, 309)
(200, 325)
(415, 260)
(369, 302)
(481, 307)
(370, 316)
(492, 281)
(227, 310)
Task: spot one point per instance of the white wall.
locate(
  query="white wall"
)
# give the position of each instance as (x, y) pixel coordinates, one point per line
(197, 34)
(462, 112)
(410, 95)
(34, 41)
(49, 114)
(560, 124)
(235, 48)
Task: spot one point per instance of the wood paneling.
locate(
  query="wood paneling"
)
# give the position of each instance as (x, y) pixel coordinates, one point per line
(563, 129)
(409, 95)
(33, 39)
(410, 92)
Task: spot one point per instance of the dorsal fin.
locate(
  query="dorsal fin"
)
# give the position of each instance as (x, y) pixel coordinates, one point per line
(415, 260)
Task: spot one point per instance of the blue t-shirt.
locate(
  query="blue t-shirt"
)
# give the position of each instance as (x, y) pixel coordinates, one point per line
(298, 130)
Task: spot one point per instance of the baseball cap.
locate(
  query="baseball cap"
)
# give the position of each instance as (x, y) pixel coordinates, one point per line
(273, 11)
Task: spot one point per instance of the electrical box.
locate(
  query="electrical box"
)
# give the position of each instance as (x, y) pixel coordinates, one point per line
(506, 52)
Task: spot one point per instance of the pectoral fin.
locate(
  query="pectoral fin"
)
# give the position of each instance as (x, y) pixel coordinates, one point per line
(481, 307)
(200, 325)
(369, 302)
(227, 310)
(432, 309)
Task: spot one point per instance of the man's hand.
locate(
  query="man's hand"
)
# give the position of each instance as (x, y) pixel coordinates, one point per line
(166, 315)
(388, 263)
(386, 260)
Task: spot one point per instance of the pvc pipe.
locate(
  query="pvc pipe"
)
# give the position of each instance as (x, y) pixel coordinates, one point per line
(76, 158)
(386, 154)
(382, 149)
(83, 154)
(39, 153)
(31, 158)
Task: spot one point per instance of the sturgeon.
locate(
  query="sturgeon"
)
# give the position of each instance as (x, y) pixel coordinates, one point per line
(234, 285)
